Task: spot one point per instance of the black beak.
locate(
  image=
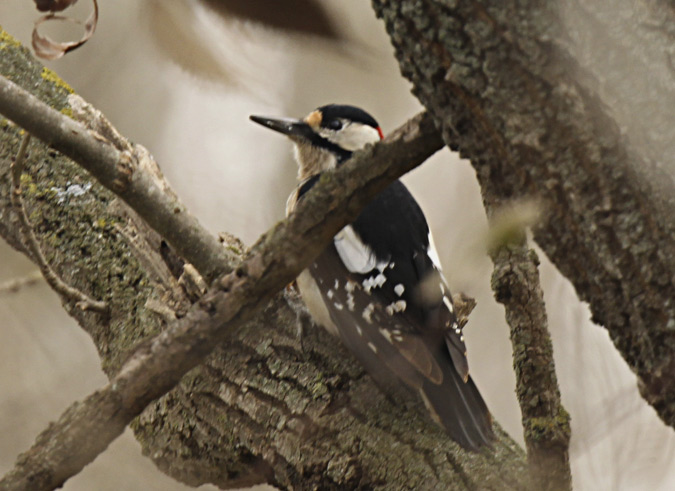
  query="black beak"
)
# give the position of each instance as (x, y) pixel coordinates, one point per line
(287, 126)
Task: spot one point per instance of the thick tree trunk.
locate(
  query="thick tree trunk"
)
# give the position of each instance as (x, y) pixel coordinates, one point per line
(501, 84)
(260, 409)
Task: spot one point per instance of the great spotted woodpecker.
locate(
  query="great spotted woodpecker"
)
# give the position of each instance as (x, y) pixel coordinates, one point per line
(370, 286)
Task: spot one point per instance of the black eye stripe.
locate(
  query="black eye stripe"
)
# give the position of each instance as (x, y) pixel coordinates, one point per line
(340, 153)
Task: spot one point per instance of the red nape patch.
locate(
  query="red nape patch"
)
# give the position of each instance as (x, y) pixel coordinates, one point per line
(379, 130)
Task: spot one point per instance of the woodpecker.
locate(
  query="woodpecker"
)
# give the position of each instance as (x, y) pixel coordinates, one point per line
(378, 286)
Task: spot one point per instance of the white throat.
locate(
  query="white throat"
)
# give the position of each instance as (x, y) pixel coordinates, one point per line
(313, 160)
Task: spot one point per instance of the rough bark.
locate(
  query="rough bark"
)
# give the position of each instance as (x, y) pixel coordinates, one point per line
(502, 87)
(259, 408)
(546, 424)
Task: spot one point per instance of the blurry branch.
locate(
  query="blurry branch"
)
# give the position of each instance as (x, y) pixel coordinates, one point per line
(293, 16)
(17, 284)
(28, 238)
(182, 35)
(181, 29)
(504, 90)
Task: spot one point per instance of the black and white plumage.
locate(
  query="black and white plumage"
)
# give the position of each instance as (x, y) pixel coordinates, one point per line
(371, 285)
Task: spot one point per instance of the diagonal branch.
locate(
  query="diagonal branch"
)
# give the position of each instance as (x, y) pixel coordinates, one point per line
(279, 255)
(125, 171)
(82, 300)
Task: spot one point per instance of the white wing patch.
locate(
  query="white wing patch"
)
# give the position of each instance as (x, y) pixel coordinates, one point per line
(368, 313)
(355, 255)
(350, 301)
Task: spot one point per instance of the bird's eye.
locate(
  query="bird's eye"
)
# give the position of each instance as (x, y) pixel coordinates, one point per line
(334, 124)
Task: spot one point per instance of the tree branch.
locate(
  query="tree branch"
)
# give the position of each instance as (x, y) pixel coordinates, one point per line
(515, 281)
(16, 284)
(154, 368)
(503, 89)
(122, 168)
(257, 409)
(28, 238)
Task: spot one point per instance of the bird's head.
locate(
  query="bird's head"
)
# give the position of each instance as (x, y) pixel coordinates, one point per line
(326, 137)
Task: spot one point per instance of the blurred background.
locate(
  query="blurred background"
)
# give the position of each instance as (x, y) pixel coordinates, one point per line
(181, 77)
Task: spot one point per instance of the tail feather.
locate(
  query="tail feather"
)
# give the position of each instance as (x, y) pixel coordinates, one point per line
(459, 408)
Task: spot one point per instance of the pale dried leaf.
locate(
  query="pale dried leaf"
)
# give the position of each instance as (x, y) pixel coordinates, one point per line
(49, 49)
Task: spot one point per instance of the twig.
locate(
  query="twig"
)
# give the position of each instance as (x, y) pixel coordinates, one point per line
(16, 284)
(464, 305)
(127, 173)
(87, 428)
(28, 238)
(546, 423)
(515, 282)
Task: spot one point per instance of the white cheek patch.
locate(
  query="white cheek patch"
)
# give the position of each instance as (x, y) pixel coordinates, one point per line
(355, 255)
(353, 136)
(356, 136)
